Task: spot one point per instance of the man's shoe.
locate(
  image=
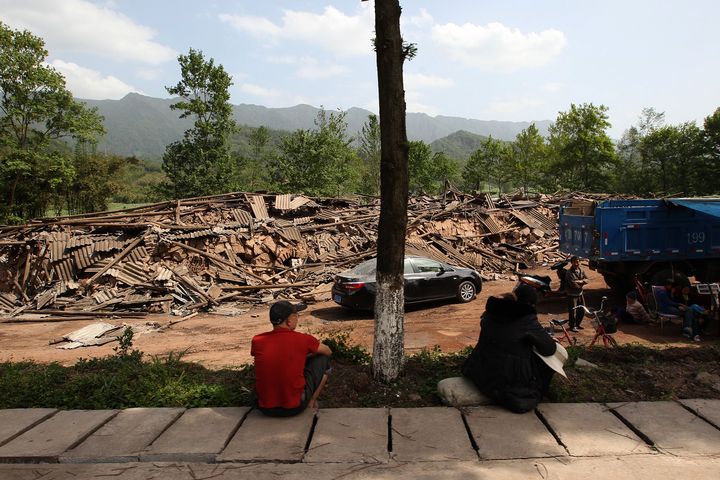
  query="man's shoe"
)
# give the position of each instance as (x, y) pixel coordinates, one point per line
(696, 338)
(580, 328)
(574, 329)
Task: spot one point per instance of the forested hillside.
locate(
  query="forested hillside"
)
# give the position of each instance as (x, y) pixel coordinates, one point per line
(141, 126)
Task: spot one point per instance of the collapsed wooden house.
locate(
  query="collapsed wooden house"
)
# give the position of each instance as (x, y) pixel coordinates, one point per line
(181, 256)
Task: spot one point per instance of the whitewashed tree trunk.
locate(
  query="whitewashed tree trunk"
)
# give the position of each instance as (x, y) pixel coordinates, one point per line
(389, 340)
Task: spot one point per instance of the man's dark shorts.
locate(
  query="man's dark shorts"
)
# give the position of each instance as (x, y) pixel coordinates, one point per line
(315, 368)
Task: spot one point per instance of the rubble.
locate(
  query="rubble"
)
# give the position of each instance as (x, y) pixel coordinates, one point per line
(225, 252)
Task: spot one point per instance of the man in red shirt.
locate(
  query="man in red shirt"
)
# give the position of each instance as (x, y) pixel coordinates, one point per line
(291, 368)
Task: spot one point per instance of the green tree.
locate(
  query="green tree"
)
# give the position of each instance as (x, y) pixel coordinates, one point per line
(98, 177)
(488, 164)
(370, 154)
(673, 154)
(582, 151)
(319, 161)
(711, 154)
(254, 170)
(628, 177)
(528, 158)
(420, 168)
(428, 172)
(200, 163)
(36, 110)
(633, 174)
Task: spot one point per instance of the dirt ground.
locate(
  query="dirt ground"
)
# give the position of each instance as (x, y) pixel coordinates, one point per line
(219, 341)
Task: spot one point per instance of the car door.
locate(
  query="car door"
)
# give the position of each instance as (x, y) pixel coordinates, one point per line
(412, 281)
(432, 281)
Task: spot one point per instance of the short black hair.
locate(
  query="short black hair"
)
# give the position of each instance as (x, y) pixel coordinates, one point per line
(526, 294)
(280, 311)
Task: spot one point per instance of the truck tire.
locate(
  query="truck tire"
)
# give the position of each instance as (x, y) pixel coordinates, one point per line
(618, 283)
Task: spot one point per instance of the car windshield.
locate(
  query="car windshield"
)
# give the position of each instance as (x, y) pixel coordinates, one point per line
(365, 268)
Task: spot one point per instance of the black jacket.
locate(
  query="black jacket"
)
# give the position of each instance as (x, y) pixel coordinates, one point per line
(503, 364)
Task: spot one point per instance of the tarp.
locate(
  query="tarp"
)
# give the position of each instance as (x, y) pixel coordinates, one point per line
(709, 206)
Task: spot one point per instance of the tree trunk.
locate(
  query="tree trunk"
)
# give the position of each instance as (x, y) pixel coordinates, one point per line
(388, 345)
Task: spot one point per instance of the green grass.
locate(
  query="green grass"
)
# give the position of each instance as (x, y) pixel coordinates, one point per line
(131, 379)
(113, 206)
(123, 381)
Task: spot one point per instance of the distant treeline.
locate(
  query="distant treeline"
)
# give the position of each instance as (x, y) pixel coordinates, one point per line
(49, 163)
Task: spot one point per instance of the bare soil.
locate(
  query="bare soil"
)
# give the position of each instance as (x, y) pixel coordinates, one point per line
(219, 341)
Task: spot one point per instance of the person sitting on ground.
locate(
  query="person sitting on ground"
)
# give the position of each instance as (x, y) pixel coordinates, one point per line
(665, 304)
(503, 364)
(291, 368)
(635, 310)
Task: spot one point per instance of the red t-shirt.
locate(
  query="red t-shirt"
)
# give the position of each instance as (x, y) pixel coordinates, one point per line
(279, 364)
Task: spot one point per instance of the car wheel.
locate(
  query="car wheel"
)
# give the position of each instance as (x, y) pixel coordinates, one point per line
(466, 291)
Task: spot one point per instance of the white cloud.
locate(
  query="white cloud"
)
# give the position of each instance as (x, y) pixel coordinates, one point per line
(414, 104)
(553, 87)
(86, 83)
(80, 25)
(271, 97)
(423, 19)
(420, 80)
(513, 105)
(149, 73)
(332, 30)
(495, 47)
(259, 91)
(257, 26)
(310, 67)
(315, 71)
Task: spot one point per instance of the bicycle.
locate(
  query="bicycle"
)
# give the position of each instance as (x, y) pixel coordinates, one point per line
(603, 323)
(554, 323)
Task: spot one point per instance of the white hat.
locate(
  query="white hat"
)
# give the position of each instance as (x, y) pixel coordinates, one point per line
(556, 360)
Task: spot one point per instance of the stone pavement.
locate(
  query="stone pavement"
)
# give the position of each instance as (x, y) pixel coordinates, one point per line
(629, 440)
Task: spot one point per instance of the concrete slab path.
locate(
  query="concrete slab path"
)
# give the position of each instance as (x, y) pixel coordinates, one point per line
(707, 409)
(350, 435)
(198, 435)
(628, 467)
(366, 443)
(429, 434)
(15, 421)
(59, 433)
(262, 438)
(671, 428)
(503, 434)
(591, 430)
(124, 437)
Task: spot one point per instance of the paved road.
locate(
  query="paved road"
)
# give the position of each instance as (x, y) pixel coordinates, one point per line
(631, 440)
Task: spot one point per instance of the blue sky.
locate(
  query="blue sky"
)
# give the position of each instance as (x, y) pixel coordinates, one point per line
(502, 60)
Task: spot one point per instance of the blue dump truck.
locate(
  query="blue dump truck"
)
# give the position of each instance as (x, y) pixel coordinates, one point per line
(652, 239)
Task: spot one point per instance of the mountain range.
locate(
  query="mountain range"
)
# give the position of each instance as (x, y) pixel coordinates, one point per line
(142, 126)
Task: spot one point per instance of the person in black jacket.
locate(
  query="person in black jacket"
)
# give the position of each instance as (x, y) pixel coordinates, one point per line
(503, 364)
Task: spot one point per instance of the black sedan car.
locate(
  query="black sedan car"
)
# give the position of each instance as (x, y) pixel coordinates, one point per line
(425, 280)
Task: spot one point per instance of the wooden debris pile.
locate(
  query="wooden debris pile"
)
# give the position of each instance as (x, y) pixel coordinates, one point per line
(183, 255)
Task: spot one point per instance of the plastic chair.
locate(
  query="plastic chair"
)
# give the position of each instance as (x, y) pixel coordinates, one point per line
(662, 317)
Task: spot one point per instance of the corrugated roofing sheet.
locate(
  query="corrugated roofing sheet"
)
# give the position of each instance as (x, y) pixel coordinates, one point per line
(301, 200)
(257, 203)
(291, 233)
(282, 202)
(83, 257)
(241, 216)
(65, 269)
